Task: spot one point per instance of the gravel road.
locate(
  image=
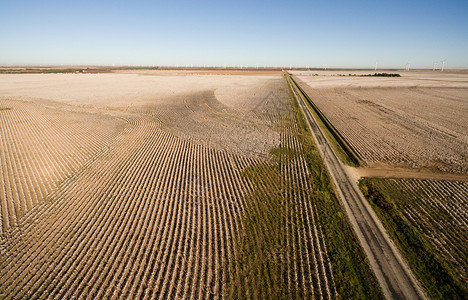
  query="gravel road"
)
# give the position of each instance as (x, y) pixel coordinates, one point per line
(393, 273)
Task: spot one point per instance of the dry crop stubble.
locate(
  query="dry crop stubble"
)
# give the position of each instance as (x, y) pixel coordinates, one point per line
(427, 219)
(154, 215)
(403, 124)
(105, 223)
(280, 252)
(41, 146)
(413, 126)
(157, 211)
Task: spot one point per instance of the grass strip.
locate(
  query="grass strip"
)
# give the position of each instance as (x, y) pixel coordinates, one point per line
(263, 264)
(260, 262)
(339, 144)
(353, 276)
(434, 273)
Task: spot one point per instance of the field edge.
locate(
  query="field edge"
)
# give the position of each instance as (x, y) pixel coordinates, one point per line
(430, 269)
(354, 277)
(339, 144)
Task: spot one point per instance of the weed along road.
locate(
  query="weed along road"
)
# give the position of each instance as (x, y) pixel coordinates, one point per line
(394, 275)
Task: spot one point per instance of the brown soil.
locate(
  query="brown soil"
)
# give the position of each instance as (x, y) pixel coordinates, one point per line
(394, 172)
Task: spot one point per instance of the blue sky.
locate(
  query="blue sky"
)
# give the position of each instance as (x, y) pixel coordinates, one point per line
(351, 34)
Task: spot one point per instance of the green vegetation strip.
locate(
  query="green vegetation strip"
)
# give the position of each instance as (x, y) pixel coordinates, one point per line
(435, 274)
(260, 264)
(263, 263)
(384, 75)
(351, 156)
(353, 276)
(331, 139)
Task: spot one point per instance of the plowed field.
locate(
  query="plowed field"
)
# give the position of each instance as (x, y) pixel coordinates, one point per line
(117, 185)
(416, 121)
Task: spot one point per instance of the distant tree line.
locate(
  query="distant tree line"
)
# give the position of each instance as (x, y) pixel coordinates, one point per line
(384, 75)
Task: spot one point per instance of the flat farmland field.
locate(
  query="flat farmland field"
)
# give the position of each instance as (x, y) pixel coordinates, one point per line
(417, 121)
(162, 186)
(428, 218)
(412, 131)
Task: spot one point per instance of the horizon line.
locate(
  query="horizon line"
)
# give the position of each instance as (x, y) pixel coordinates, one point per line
(218, 67)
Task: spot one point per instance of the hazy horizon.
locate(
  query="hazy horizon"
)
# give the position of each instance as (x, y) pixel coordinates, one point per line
(273, 33)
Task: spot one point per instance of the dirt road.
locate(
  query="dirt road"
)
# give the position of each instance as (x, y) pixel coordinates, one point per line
(394, 275)
(385, 171)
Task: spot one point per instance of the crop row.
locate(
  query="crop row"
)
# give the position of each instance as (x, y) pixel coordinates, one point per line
(40, 148)
(156, 215)
(282, 252)
(427, 220)
(439, 209)
(134, 214)
(404, 127)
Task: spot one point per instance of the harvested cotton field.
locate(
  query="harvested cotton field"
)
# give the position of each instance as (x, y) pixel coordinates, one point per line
(413, 128)
(427, 218)
(43, 144)
(415, 121)
(145, 186)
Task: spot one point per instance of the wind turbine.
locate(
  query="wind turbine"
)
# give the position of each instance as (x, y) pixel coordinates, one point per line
(408, 65)
(443, 65)
(436, 65)
(375, 67)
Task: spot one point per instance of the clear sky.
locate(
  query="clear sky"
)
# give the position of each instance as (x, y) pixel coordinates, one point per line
(273, 33)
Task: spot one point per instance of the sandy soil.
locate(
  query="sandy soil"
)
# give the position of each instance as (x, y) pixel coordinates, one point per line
(121, 90)
(393, 172)
(416, 121)
(155, 212)
(43, 143)
(54, 124)
(174, 99)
